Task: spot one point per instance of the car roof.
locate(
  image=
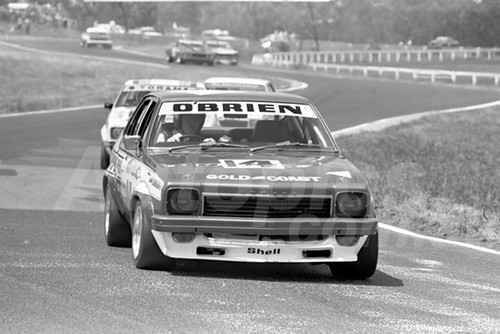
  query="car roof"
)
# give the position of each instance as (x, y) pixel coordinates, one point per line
(161, 82)
(253, 81)
(218, 95)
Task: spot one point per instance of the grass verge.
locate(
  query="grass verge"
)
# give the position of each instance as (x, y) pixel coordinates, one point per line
(437, 176)
(32, 81)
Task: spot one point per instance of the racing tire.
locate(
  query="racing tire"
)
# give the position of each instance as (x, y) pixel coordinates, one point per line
(116, 230)
(364, 267)
(104, 158)
(145, 250)
(170, 59)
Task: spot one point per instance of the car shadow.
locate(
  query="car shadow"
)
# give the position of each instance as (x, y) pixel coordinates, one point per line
(277, 272)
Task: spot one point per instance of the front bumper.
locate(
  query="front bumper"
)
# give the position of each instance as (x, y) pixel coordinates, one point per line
(264, 226)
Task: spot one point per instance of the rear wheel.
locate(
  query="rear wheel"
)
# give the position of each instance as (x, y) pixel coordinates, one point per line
(116, 229)
(147, 254)
(364, 267)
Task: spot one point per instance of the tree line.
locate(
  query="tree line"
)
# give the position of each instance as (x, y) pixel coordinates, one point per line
(472, 22)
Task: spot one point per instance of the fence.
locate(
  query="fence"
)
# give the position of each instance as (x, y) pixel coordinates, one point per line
(327, 62)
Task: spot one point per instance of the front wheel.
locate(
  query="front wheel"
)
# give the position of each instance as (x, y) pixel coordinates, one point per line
(145, 250)
(104, 158)
(364, 267)
(116, 229)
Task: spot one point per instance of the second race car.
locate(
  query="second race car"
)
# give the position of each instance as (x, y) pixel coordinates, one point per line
(126, 101)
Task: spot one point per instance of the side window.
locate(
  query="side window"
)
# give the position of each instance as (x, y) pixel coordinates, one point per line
(133, 123)
(145, 120)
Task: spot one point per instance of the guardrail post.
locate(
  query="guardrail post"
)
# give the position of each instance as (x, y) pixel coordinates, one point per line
(474, 79)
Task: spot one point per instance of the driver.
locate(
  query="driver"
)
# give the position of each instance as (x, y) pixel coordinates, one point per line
(184, 125)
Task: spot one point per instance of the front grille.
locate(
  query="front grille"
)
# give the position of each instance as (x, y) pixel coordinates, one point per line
(266, 207)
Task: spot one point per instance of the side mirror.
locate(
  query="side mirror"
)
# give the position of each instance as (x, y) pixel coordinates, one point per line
(132, 142)
(108, 105)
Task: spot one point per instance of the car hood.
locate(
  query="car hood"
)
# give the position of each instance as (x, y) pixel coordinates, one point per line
(120, 115)
(261, 170)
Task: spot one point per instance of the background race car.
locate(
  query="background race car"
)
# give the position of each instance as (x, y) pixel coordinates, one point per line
(193, 51)
(224, 53)
(126, 101)
(95, 36)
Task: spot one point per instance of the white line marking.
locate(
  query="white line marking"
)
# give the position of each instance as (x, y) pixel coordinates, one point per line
(434, 239)
(50, 111)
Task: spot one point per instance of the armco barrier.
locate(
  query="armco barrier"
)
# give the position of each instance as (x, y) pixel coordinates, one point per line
(398, 73)
(384, 56)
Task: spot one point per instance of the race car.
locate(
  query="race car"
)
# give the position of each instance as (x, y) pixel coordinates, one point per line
(193, 51)
(95, 36)
(233, 83)
(224, 53)
(126, 101)
(275, 191)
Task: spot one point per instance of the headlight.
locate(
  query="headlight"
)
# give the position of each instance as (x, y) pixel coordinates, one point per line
(115, 132)
(351, 204)
(183, 201)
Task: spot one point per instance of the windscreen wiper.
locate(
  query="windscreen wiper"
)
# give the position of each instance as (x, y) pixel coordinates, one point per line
(206, 145)
(285, 144)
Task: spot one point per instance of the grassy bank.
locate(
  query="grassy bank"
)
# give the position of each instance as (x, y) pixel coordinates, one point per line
(438, 176)
(32, 81)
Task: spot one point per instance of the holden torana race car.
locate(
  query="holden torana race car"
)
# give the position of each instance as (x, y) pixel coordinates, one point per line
(95, 36)
(224, 53)
(126, 101)
(245, 84)
(194, 51)
(275, 190)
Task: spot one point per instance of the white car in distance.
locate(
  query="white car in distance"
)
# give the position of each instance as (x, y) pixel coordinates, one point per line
(125, 103)
(241, 84)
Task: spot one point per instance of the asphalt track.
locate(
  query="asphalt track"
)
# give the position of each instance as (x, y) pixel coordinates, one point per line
(57, 275)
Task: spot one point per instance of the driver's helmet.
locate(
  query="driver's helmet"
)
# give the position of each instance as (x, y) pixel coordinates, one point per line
(198, 118)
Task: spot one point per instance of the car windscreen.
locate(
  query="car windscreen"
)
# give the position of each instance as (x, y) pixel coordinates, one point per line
(247, 123)
(130, 98)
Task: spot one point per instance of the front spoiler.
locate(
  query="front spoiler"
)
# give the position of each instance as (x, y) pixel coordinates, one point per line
(236, 249)
(265, 226)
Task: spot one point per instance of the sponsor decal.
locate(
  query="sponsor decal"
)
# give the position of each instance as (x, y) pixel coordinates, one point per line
(271, 178)
(156, 87)
(259, 251)
(248, 107)
(251, 163)
(155, 183)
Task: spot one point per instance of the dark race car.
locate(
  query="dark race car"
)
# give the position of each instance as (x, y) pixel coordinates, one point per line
(224, 52)
(274, 189)
(190, 51)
